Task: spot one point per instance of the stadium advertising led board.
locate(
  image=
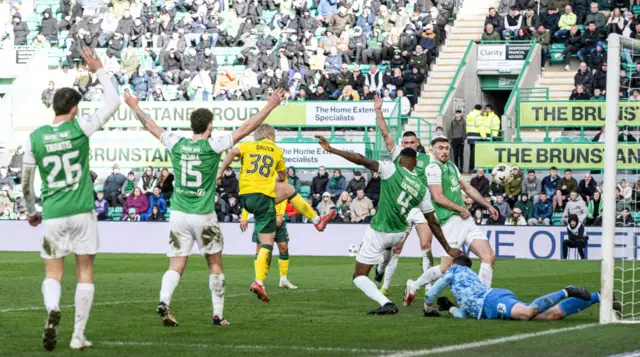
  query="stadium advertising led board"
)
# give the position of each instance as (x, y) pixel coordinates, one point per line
(492, 57)
(141, 153)
(574, 113)
(232, 114)
(577, 156)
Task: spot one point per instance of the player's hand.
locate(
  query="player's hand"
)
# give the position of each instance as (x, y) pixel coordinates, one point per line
(219, 179)
(276, 98)
(279, 220)
(377, 102)
(92, 62)
(132, 101)
(323, 142)
(465, 213)
(35, 220)
(243, 226)
(494, 213)
(454, 252)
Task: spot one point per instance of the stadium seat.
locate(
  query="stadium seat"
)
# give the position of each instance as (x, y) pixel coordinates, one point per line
(337, 140)
(580, 139)
(305, 191)
(562, 140)
(289, 140)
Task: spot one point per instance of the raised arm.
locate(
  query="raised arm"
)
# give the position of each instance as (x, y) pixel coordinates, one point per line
(252, 124)
(477, 197)
(148, 123)
(382, 124)
(357, 159)
(226, 162)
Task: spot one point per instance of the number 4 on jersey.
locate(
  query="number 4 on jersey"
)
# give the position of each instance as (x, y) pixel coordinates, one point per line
(403, 201)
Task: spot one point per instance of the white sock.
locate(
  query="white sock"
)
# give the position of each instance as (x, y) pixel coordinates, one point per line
(427, 258)
(387, 258)
(390, 270)
(315, 220)
(283, 278)
(51, 291)
(84, 300)
(432, 274)
(216, 285)
(170, 281)
(486, 274)
(369, 288)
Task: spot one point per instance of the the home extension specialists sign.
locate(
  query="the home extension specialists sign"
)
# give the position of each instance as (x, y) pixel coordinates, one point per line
(493, 57)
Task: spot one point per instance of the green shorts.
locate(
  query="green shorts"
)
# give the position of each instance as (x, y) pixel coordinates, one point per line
(263, 209)
(282, 235)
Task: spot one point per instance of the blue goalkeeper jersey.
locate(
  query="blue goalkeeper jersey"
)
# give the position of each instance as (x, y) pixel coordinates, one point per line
(466, 287)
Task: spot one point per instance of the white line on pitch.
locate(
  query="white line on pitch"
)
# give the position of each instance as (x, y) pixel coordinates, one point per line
(628, 354)
(246, 347)
(485, 343)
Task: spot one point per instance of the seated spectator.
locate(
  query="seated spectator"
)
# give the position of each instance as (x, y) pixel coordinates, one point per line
(597, 95)
(136, 200)
(620, 202)
(575, 205)
(490, 34)
(348, 94)
(625, 189)
(319, 185)
(102, 206)
(594, 208)
(530, 21)
(513, 21)
(636, 95)
(526, 206)
(542, 211)
(576, 237)
(294, 216)
(595, 16)
(358, 182)
(551, 19)
(326, 205)
(336, 185)
(15, 165)
(567, 20)
(220, 206)
(625, 84)
(293, 179)
(624, 219)
(127, 187)
(229, 186)
(579, 93)
(113, 186)
(523, 35)
(7, 213)
(587, 187)
(496, 21)
(502, 206)
(566, 185)
(616, 22)
(362, 208)
(234, 209)
(532, 186)
(155, 200)
(344, 208)
(131, 215)
(573, 44)
(480, 182)
(156, 215)
(147, 181)
(515, 218)
(22, 215)
(513, 188)
(20, 30)
(478, 217)
(165, 182)
(373, 188)
(47, 95)
(597, 55)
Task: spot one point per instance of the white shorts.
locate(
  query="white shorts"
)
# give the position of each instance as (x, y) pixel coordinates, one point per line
(459, 232)
(416, 216)
(187, 229)
(374, 244)
(76, 234)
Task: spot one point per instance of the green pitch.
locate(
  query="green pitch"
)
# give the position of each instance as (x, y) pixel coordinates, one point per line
(325, 317)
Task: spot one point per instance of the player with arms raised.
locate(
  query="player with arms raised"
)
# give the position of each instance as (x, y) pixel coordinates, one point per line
(60, 151)
(193, 219)
(262, 187)
(445, 183)
(416, 218)
(400, 192)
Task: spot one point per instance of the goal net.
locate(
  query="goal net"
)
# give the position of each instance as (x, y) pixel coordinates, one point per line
(620, 270)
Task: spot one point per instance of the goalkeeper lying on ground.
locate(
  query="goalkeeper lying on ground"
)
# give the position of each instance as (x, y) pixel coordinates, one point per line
(478, 301)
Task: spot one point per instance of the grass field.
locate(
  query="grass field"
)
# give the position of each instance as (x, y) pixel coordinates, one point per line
(324, 317)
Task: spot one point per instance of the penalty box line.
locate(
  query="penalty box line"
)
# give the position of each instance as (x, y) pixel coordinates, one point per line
(489, 342)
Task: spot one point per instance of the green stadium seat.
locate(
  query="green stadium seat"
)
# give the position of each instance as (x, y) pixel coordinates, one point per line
(562, 140)
(117, 210)
(580, 139)
(305, 191)
(635, 9)
(289, 140)
(556, 219)
(306, 140)
(337, 140)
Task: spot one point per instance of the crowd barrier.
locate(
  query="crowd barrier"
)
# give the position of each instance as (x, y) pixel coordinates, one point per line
(152, 238)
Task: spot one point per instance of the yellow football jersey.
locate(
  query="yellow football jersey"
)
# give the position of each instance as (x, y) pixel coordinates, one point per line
(260, 163)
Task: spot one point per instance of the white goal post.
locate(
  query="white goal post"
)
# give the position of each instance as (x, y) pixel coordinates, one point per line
(608, 266)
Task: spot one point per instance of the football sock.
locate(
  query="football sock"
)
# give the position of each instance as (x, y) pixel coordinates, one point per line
(84, 300)
(390, 270)
(216, 285)
(486, 274)
(283, 265)
(304, 208)
(255, 261)
(263, 262)
(574, 305)
(432, 274)
(544, 303)
(369, 288)
(427, 259)
(457, 312)
(51, 290)
(170, 281)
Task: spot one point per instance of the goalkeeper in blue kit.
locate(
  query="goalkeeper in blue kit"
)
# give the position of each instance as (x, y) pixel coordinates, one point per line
(479, 302)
